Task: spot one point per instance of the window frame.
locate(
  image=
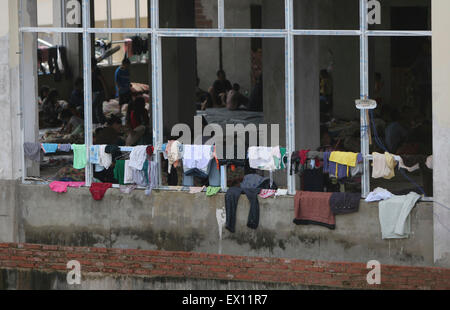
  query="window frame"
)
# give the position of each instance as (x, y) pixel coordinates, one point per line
(157, 33)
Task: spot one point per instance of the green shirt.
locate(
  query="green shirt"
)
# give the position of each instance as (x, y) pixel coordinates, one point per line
(79, 156)
(119, 171)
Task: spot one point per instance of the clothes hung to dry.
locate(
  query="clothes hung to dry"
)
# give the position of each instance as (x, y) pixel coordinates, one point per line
(314, 209)
(98, 190)
(266, 158)
(61, 187)
(33, 151)
(395, 219)
(344, 203)
(340, 164)
(231, 203)
(383, 166)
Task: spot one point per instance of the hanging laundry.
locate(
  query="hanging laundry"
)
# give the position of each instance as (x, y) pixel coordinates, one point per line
(61, 187)
(383, 166)
(344, 158)
(231, 203)
(197, 156)
(137, 157)
(128, 174)
(267, 193)
(114, 150)
(281, 192)
(379, 194)
(33, 151)
(284, 158)
(94, 154)
(153, 176)
(79, 156)
(332, 168)
(127, 189)
(196, 190)
(314, 209)
(119, 171)
(65, 148)
(105, 159)
(395, 219)
(303, 155)
(344, 203)
(212, 191)
(262, 158)
(141, 177)
(174, 152)
(98, 190)
(49, 148)
(340, 163)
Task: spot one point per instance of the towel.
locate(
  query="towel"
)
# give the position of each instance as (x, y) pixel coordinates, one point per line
(395, 217)
(383, 166)
(314, 208)
(137, 157)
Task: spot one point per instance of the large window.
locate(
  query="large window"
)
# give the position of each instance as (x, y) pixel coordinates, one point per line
(363, 47)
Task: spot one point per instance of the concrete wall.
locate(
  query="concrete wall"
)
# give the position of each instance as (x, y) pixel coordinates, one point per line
(441, 130)
(183, 222)
(37, 280)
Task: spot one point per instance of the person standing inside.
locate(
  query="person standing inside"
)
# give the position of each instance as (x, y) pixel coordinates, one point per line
(123, 84)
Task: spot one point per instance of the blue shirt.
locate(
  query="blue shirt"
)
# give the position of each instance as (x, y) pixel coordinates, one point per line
(122, 78)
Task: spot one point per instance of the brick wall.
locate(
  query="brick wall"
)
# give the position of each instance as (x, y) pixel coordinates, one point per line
(201, 21)
(142, 263)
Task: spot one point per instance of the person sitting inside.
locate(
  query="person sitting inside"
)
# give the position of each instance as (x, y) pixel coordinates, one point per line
(77, 96)
(138, 122)
(50, 110)
(203, 98)
(123, 84)
(219, 89)
(236, 100)
(72, 123)
(111, 134)
(43, 93)
(396, 133)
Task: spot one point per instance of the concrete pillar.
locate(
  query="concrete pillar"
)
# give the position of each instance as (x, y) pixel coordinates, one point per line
(10, 132)
(441, 130)
(30, 84)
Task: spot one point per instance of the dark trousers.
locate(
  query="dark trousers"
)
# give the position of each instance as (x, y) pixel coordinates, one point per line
(231, 203)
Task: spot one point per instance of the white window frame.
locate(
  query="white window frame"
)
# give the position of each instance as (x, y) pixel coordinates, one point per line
(157, 33)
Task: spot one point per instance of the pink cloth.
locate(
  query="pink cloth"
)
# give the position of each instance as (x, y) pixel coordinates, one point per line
(267, 193)
(61, 187)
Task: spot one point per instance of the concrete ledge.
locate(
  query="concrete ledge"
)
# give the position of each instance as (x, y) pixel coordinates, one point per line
(184, 222)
